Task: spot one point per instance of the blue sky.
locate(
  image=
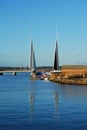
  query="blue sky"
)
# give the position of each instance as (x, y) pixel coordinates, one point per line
(70, 17)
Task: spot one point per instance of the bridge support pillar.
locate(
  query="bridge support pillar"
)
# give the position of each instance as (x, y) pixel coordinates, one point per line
(14, 73)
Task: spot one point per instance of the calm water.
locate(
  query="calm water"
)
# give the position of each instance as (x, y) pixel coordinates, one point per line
(41, 105)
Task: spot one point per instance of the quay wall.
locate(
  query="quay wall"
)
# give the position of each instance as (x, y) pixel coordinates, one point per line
(71, 75)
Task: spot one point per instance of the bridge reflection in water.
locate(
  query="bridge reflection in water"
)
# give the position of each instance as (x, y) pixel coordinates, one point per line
(38, 104)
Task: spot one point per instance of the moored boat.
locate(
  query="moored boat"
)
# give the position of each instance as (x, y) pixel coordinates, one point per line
(44, 76)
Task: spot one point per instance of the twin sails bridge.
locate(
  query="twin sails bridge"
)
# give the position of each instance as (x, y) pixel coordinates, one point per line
(32, 63)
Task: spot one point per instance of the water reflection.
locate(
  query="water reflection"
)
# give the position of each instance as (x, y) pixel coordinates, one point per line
(42, 102)
(31, 103)
(41, 105)
(56, 99)
(51, 104)
(32, 98)
(74, 90)
(44, 99)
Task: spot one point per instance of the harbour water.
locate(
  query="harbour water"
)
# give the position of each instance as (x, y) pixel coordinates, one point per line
(41, 105)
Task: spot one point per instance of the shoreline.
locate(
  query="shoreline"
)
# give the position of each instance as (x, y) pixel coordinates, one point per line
(78, 81)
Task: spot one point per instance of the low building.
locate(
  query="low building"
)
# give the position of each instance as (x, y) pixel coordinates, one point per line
(76, 71)
(55, 74)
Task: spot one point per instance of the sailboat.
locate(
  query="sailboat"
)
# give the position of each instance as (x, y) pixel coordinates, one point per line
(32, 63)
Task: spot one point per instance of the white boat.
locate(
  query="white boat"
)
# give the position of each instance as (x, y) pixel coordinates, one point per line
(44, 76)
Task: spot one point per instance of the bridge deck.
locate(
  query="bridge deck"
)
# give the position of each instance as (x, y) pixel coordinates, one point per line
(8, 71)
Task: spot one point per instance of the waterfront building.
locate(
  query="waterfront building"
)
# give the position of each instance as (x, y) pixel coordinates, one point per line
(74, 71)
